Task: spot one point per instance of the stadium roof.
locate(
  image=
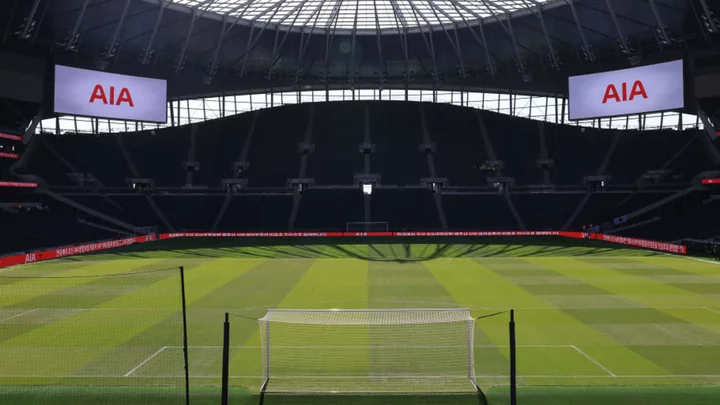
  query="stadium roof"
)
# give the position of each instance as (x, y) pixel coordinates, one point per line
(365, 16)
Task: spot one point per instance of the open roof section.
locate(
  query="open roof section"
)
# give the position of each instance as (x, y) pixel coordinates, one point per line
(365, 16)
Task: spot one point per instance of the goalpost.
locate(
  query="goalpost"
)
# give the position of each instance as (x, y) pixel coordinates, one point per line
(367, 227)
(368, 351)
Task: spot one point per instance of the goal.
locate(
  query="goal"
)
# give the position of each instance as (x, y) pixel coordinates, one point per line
(367, 227)
(368, 351)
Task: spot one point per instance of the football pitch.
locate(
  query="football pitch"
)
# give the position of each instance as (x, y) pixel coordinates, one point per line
(595, 323)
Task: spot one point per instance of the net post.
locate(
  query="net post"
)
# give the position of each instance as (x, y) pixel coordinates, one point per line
(225, 360)
(267, 357)
(471, 353)
(513, 360)
(185, 335)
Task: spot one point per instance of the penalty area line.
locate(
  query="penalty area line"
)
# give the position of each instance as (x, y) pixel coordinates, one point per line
(152, 356)
(712, 310)
(587, 356)
(660, 376)
(19, 315)
(380, 347)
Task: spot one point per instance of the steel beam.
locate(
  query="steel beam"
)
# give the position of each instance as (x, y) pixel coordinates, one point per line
(277, 49)
(383, 71)
(400, 21)
(11, 17)
(616, 23)
(429, 44)
(709, 14)
(551, 49)
(194, 16)
(661, 27)
(186, 42)
(304, 45)
(454, 43)
(30, 18)
(586, 45)
(224, 32)
(145, 58)
(76, 27)
(255, 40)
(116, 33)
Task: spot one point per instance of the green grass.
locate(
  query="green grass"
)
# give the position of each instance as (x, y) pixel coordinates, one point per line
(596, 324)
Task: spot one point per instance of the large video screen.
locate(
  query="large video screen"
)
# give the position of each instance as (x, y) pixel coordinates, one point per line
(107, 95)
(637, 90)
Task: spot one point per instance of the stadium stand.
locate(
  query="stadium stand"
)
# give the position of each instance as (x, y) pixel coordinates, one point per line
(329, 210)
(577, 152)
(159, 155)
(396, 132)
(483, 212)
(517, 144)
(337, 133)
(322, 143)
(215, 162)
(460, 149)
(257, 213)
(274, 156)
(405, 209)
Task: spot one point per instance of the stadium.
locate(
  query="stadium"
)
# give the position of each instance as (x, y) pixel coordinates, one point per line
(396, 202)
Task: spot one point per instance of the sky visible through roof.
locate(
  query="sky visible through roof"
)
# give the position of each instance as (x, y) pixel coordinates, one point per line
(363, 15)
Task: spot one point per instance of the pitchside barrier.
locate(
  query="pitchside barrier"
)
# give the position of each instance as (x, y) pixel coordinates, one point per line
(24, 258)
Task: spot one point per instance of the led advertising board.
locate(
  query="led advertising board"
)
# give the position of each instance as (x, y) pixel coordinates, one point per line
(636, 90)
(108, 95)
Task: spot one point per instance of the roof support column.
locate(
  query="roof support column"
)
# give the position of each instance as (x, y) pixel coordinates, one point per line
(711, 22)
(304, 42)
(520, 61)
(71, 43)
(330, 35)
(551, 50)
(622, 41)
(113, 45)
(382, 73)
(662, 32)
(180, 62)
(145, 57)
(587, 50)
(481, 40)
(30, 20)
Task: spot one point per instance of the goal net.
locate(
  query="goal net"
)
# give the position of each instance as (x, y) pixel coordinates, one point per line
(367, 227)
(368, 351)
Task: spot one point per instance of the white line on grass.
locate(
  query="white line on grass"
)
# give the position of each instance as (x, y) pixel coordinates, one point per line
(19, 315)
(709, 376)
(594, 361)
(712, 310)
(477, 376)
(700, 260)
(152, 356)
(375, 347)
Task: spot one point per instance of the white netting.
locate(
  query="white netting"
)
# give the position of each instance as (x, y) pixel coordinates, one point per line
(403, 350)
(367, 227)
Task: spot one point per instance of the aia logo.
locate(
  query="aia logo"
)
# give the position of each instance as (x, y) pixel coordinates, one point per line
(99, 95)
(611, 93)
(30, 258)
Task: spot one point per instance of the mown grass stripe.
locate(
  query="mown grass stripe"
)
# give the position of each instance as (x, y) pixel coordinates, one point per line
(649, 339)
(547, 326)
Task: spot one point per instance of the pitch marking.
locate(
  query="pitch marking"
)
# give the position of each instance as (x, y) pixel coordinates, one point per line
(129, 373)
(700, 260)
(374, 347)
(594, 361)
(19, 315)
(712, 310)
(355, 377)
